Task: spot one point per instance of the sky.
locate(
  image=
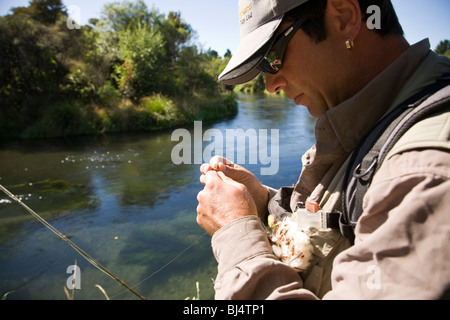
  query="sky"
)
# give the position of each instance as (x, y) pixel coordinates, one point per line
(217, 28)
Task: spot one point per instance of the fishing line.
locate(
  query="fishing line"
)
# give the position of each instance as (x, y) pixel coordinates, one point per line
(168, 263)
(73, 245)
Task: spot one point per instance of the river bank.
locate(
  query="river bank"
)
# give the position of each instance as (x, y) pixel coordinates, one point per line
(149, 114)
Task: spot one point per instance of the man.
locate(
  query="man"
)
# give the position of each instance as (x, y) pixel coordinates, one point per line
(324, 55)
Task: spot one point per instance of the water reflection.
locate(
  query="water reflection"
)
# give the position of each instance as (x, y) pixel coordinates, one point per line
(124, 202)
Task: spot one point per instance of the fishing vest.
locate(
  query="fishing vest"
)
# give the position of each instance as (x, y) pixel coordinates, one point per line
(421, 122)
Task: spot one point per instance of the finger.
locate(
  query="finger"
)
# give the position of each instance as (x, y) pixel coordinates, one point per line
(202, 179)
(227, 179)
(217, 161)
(205, 167)
(211, 177)
(233, 171)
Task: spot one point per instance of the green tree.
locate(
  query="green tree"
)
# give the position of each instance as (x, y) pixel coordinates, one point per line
(443, 48)
(142, 50)
(30, 70)
(119, 16)
(176, 32)
(44, 11)
(227, 54)
(37, 52)
(139, 34)
(133, 65)
(191, 74)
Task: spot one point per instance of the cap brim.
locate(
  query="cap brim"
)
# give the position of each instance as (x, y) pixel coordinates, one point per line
(242, 66)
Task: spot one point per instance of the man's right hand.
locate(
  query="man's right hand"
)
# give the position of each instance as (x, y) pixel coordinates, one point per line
(258, 191)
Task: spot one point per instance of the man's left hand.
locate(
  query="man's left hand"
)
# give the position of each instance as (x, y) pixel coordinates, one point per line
(222, 201)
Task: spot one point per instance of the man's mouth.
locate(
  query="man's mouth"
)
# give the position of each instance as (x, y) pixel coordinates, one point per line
(298, 99)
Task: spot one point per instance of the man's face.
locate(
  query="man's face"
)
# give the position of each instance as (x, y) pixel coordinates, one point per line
(313, 74)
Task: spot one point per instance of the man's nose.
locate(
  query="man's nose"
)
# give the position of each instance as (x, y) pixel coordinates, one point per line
(275, 82)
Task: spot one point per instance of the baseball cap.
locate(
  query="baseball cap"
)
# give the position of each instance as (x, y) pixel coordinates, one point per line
(258, 24)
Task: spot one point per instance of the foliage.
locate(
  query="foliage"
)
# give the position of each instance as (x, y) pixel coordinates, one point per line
(443, 48)
(130, 69)
(44, 11)
(257, 85)
(34, 61)
(142, 50)
(120, 16)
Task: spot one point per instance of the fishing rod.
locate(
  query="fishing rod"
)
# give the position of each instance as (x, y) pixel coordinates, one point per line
(86, 256)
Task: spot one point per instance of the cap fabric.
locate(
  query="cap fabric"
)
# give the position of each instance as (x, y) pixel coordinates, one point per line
(259, 21)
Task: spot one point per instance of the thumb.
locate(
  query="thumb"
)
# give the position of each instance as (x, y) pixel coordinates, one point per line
(233, 171)
(227, 179)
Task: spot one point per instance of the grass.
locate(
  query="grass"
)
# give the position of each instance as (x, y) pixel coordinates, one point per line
(151, 113)
(71, 295)
(197, 297)
(5, 295)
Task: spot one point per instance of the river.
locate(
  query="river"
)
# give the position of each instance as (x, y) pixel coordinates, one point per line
(130, 202)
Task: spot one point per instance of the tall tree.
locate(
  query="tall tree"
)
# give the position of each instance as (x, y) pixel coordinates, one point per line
(119, 16)
(443, 48)
(45, 11)
(142, 51)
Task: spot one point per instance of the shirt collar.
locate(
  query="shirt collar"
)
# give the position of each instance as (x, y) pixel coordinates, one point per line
(352, 119)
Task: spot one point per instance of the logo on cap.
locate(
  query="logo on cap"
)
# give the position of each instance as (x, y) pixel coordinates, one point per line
(245, 14)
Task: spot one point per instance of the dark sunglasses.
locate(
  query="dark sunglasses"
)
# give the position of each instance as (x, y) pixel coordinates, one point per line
(273, 61)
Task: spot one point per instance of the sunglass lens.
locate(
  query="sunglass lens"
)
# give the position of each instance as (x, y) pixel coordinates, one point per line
(271, 63)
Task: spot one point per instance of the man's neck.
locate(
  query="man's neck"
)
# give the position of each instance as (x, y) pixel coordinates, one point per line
(378, 53)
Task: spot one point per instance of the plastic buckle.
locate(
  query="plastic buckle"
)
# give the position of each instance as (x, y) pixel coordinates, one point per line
(309, 215)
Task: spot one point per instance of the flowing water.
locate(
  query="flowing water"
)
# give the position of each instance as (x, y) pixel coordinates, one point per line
(124, 201)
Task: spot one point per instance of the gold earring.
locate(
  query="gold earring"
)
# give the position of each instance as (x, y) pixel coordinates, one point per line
(349, 44)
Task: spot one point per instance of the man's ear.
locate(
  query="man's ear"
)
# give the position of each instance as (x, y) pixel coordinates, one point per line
(344, 17)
